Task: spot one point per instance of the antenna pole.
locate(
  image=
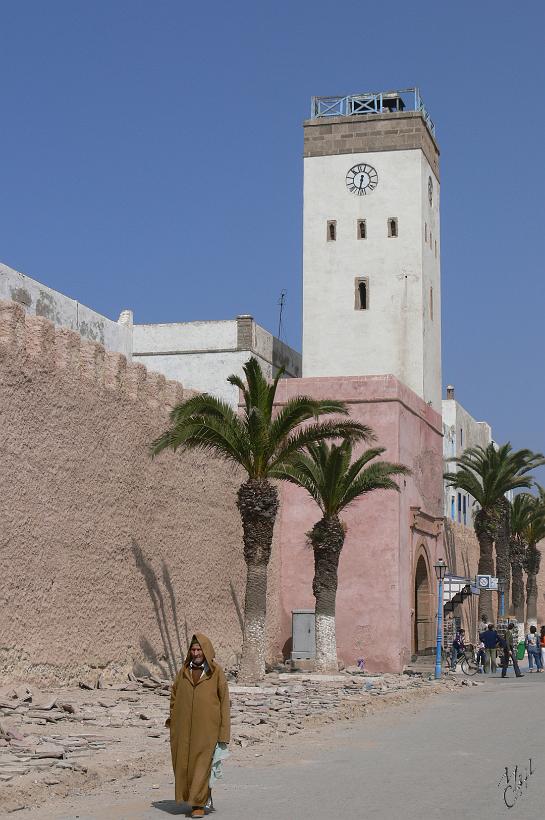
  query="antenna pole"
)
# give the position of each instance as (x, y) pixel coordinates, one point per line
(281, 304)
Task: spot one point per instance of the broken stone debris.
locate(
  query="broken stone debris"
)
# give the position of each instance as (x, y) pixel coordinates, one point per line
(283, 705)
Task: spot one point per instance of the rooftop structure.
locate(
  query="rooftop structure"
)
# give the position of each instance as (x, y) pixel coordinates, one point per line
(371, 102)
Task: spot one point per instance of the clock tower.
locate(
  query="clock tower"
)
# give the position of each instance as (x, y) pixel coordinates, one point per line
(371, 243)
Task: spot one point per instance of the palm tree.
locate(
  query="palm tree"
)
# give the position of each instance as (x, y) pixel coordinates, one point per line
(487, 474)
(260, 443)
(522, 513)
(535, 533)
(334, 481)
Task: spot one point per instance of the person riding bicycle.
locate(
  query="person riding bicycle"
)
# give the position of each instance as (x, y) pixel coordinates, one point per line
(458, 648)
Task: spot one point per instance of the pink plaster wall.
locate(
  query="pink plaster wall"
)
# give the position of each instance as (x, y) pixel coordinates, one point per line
(376, 571)
(109, 558)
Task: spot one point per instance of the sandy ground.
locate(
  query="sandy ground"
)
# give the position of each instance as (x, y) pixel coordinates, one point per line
(425, 758)
(131, 750)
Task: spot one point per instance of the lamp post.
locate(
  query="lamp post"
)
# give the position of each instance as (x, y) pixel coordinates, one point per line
(501, 590)
(440, 571)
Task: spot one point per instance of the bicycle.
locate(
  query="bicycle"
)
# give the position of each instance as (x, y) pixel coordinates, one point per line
(468, 663)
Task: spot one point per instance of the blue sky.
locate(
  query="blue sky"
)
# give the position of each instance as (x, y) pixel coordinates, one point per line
(151, 159)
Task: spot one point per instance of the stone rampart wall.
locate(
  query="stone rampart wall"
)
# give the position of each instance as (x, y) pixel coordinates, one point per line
(110, 559)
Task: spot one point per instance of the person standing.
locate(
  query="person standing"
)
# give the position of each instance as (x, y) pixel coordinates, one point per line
(483, 624)
(534, 650)
(458, 648)
(542, 644)
(199, 722)
(490, 639)
(510, 652)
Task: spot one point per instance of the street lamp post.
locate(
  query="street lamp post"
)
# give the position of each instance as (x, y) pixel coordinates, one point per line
(501, 590)
(440, 570)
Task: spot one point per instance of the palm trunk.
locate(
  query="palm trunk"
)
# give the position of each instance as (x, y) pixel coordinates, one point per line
(531, 599)
(327, 539)
(502, 547)
(257, 502)
(517, 606)
(533, 561)
(485, 532)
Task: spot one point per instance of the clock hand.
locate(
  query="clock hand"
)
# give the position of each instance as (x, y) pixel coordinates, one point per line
(361, 182)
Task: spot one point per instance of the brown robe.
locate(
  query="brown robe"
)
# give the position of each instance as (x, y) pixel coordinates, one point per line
(199, 718)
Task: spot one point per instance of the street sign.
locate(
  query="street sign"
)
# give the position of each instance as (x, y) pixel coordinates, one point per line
(486, 582)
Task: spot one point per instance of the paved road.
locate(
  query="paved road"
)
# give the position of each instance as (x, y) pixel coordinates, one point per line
(441, 759)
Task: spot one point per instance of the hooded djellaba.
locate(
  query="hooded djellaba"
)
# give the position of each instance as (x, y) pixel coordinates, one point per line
(199, 720)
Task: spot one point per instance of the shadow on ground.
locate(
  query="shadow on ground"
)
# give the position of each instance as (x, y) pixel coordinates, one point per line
(171, 807)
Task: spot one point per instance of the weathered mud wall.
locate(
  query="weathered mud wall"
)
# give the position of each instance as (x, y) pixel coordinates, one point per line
(109, 559)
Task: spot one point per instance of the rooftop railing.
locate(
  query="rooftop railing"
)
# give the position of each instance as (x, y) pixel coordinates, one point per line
(370, 102)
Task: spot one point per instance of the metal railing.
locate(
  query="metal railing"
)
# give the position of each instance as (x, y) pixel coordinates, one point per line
(370, 102)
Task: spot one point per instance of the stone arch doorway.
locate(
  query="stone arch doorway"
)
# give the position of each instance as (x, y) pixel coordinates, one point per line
(423, 619)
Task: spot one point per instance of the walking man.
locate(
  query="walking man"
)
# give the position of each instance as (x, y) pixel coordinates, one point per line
(510, 651)
(490, 639)
(199, 724)
(534, 650)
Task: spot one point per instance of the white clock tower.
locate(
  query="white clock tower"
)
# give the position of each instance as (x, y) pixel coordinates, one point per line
(371, 249)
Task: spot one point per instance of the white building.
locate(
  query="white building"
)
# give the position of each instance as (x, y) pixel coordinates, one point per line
(200, 355)
(460, 430)
(371, 250)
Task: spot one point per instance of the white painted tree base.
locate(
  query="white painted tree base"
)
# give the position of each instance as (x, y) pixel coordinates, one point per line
(326, 644)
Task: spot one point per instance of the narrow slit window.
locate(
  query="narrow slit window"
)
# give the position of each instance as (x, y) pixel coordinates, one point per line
(425, 231)
(430, 239)
(392, 228)
(431, 304)
(436, 248)
(362, 294)
(362, 229)
(331, 230)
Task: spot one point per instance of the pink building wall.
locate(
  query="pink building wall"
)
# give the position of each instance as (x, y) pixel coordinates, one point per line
(386, 531)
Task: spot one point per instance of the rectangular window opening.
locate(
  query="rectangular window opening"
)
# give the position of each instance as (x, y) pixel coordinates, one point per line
(332, 230)
(459, 508)
(464, 510)
(436, 248)
(392, 227)
(431, 304)
(362, 294)
(362, 229)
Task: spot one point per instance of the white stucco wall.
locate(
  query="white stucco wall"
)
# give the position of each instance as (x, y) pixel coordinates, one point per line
(181, 337)
(394, 335)
(39, 300)
(460, 430)
(201, 355)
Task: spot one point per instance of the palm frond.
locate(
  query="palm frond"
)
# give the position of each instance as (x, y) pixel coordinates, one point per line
(318, 431)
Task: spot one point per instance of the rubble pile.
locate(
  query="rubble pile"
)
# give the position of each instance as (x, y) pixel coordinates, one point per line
(66, 729)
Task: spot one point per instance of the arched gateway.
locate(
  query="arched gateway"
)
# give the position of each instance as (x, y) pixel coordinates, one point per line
(423, 640)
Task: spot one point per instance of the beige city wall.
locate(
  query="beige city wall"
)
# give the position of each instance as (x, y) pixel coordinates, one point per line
(109, 559)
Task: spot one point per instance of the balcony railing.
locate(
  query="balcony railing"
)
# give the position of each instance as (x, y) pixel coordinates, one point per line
(369, 102)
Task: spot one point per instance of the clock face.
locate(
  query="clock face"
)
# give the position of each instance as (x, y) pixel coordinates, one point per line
(430, 190)
(361, 179)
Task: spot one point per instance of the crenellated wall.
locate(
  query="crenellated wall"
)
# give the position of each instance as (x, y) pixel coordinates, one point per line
(109, 559)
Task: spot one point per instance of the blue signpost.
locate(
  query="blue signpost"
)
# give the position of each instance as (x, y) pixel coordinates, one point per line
(440, 570)
(501, 588)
